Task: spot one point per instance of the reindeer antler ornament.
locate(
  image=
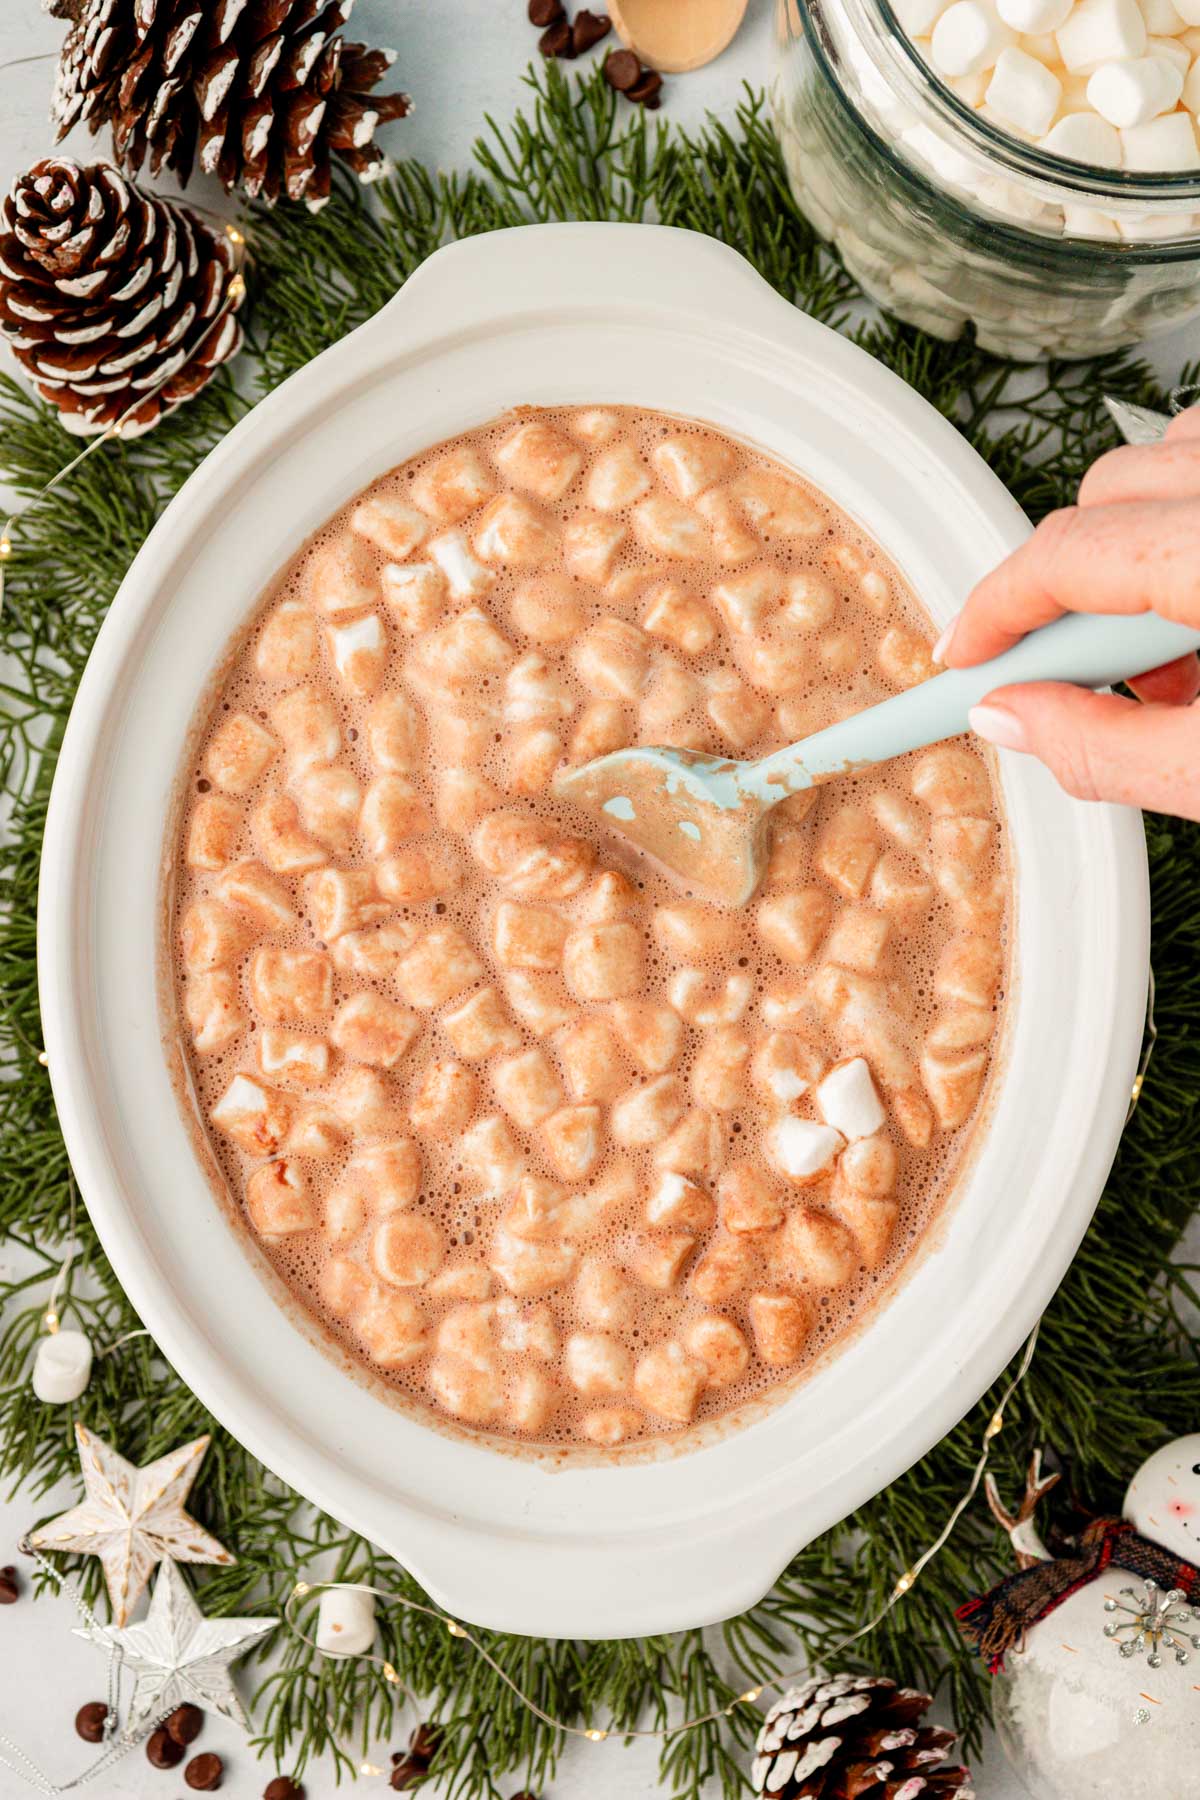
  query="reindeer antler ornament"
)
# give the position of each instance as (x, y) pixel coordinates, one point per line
(1092, 1640)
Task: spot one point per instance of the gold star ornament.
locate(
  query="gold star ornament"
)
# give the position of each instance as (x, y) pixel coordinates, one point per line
(131, 1518)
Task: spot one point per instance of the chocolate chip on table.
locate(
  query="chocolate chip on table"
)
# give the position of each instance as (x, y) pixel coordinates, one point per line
(589, 30)
(557, 41)
(544, 12)
(162, 1752)
(10, 1587)
(646, 90)
(204, 1772)
(622, 70)
(407, 1773)
(423, 1744)
(185, 1723)
(283, 1788)
(90, 1721)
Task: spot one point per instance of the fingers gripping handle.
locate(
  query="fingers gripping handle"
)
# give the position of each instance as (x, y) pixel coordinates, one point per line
(1087, 649)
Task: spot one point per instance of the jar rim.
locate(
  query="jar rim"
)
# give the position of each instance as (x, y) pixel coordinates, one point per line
(1085, 183)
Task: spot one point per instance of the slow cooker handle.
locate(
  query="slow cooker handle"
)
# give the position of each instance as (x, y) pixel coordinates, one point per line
(1087, 649)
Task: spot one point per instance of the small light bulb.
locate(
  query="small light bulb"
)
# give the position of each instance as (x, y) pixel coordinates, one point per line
(234, 235)
(750, 1696)
(905, 1582)
(5, 545)
(367, 1768)
(300, 1588)
(995, 1427)
(389, 1674)
(236, 288)
(43, 1060)
(595, 1737)
(454, 1628)
(51, 1321)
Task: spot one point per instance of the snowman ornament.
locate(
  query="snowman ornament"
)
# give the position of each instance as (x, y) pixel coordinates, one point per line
(1096, 1652)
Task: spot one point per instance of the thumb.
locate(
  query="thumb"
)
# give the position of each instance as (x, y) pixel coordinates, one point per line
(1100, 746)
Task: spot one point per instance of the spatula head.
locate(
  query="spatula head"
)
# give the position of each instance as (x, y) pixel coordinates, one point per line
(684, 810)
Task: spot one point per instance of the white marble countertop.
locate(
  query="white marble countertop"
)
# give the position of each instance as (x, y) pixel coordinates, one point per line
(459, 58)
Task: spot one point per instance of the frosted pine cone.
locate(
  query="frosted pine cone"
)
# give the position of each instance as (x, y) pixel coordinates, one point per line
(108, 295)
(854, 1737)
(260, 93)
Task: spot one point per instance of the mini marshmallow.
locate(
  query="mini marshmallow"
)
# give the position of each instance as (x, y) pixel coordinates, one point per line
(1162, 17)
(848, 1100)
(1024, 92)
(1132, 93)
(1085, 138)
(358, 652)
(1100, 31)
(919, 17)
(970, 35)
(1164, 145)
(345, 1622)
(1191, 88)
(1172, 50)
(62, 1367)
(465, 576)
(1034, 17)
(802, 1149)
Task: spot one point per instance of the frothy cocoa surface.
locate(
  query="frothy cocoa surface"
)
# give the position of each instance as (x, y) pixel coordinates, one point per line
(546, 1143)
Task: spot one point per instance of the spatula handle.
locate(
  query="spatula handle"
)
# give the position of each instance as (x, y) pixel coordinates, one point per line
(1087, 649)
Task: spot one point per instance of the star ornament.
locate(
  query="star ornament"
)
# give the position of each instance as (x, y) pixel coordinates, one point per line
(176, 1654)
(132, 1518)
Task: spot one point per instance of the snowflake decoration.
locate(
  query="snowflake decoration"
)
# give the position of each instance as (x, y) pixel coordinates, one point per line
(1154, 1619)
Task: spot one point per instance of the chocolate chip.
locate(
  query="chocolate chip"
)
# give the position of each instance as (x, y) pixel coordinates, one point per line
(622, 70)
(162, 1752)
(185, 1723)
(204, 1772)
(406, 1774)
(588, 30)
(89, 1722)
(424, 1742)
(557, 40)
(544, 12)
(10, 1589)
(283, 1788)
(646, 89)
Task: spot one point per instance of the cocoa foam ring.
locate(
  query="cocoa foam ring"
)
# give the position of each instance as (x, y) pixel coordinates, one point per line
(677, 38)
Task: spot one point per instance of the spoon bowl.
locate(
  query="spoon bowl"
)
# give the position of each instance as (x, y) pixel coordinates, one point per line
(704, 818)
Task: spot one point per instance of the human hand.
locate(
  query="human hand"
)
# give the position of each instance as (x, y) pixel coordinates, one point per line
(1132, 544)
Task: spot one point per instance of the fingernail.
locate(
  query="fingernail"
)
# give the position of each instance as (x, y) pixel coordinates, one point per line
(996, 725)
(944, 642)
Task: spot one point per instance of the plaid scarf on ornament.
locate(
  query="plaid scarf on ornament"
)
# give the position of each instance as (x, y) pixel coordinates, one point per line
(998, 1622)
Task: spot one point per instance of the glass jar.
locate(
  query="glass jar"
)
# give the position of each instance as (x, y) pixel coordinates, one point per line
(947, 221)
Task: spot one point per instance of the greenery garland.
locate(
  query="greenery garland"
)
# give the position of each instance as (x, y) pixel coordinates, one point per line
(1117, 1370)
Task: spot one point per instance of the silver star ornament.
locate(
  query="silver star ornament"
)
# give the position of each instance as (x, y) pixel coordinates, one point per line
(176, 1654)
(132, 1518)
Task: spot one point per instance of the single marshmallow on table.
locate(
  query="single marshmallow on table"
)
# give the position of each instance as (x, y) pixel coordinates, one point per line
(62, 1367)
(345, 1622)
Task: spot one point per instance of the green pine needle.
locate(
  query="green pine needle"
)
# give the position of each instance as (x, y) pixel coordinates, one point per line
(1116, 1370)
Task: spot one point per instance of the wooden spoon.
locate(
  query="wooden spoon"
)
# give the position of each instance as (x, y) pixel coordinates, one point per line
(676, 35)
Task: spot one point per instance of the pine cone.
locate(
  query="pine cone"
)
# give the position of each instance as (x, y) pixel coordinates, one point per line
(854, 1737)
(107, 293)
(259, 92)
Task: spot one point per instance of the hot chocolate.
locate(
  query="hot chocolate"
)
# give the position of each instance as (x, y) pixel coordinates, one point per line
(557, 1149)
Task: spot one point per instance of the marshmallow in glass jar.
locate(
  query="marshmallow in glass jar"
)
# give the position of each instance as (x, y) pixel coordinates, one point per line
(1030, 168)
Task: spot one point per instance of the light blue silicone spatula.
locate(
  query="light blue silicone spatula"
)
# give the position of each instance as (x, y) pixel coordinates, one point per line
(704, 817)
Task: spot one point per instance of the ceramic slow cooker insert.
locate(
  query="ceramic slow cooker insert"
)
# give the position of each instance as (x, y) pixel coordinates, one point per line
(570, 314)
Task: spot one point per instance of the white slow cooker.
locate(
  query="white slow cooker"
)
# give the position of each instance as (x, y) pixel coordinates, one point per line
(554, 315)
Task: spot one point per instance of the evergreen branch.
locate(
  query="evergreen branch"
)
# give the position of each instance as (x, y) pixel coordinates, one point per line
(1100, 1398)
